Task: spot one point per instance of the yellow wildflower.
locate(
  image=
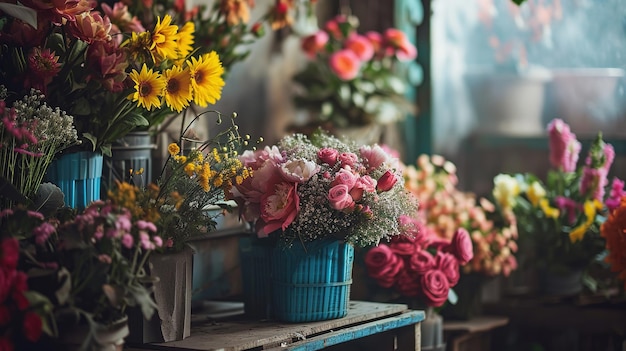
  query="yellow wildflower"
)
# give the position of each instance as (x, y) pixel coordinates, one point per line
(549, 211)
(173, 149)
(590, 209)
(190, 168)
(535, 193)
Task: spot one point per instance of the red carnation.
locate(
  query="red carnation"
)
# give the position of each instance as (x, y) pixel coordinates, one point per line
(32, 326)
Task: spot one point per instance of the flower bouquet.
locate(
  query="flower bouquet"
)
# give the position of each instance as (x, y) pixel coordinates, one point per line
(351, 79)
(563, 215)
(311, 200)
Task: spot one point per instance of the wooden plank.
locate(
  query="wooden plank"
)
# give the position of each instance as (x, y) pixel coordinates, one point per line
(407, 319)
(245, 334)
(477, 324)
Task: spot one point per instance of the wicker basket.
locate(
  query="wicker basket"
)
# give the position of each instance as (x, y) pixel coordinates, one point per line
(312, 283)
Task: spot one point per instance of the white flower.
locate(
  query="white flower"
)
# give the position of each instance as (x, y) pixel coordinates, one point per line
(299, 170)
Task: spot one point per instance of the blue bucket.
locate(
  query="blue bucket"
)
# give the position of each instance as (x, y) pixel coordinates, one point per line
(312, 283)
(79, 176)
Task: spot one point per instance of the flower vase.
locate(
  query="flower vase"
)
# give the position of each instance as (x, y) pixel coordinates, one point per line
(172, 294)
(110, 337)
(255, 260)
(311, 283)
(432, 331)
(79, 177)
(131, 157)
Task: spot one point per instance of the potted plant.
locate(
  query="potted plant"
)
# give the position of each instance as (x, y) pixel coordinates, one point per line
(563, 213)
(352, 80)
(313, 199)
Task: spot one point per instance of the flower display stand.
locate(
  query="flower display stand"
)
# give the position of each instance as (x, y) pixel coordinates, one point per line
(79, 176)
(312, 283)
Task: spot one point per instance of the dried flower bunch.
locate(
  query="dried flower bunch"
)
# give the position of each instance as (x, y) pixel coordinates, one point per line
(445, 208)
(182, 201)
(306, 189)
(351, 78)
(563, 214)
(420, 264)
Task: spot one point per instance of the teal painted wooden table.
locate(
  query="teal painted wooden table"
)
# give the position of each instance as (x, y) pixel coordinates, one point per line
(368, 326)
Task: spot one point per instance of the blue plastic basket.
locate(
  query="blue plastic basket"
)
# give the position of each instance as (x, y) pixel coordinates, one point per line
(255, 259)
(312, 284)
(79, 176)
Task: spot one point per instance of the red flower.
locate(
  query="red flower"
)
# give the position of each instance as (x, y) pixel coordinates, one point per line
(383, 265)
(421, 262)
(387, 181)
(408, 284)
(9, 251)
(435, 287)
(6, 344)
(32, 326)
(449, 265)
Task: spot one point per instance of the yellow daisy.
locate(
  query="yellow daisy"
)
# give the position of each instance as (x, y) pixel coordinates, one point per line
(149, 86)
(177, 92)
(206, 78)
(164, 39)
(185, 39)
(139, 46)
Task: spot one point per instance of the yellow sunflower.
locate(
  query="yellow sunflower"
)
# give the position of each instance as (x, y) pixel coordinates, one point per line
(164, 39)
(177, 92)
(185, 39)
(149, 86)
(206, 78)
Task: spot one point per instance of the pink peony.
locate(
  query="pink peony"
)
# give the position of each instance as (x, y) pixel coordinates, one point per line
(127, 241)
(345, 64)
(435, 287)
(339, 198)
(395, 38)
(298, 171)
(374, 156)
(279, 208)
(383, 265)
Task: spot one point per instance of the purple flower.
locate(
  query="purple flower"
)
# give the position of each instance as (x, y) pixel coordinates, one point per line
(568, 206)
(127, 241)
(145, 225)
(564, 148)
(43, 232)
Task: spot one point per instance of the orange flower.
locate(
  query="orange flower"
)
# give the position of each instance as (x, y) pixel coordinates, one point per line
(345, 64)
(614, 231)
(235, 11)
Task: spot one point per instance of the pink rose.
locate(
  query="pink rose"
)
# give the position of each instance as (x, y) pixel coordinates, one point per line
(328, 155)
(449, 265)
(461, 246)
(279, 208)
(367, 183)
(387, 181)
(403, 245)
(408, 284)
(348, 159)
(435, 287)
(383, 265)
(345, 177)
(422, 261)
(340, 198)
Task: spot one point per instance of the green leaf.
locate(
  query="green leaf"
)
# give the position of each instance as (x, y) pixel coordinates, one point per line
(518, 2)
(21, 12)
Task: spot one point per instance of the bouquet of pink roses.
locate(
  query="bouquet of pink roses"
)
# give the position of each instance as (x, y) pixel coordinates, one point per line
(420, 264)
(307, 189)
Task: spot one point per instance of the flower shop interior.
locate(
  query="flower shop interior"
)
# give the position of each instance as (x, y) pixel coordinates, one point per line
(464, 162)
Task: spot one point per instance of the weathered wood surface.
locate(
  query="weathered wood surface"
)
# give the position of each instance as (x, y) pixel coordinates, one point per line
(363, 319)
(477, 324)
